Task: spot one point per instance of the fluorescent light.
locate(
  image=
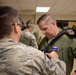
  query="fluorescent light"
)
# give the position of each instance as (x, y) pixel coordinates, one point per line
(42, 9)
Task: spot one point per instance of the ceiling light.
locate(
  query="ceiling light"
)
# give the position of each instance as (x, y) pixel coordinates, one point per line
(42, 9)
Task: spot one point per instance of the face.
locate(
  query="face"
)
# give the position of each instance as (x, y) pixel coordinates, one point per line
(16, 29)
(49, 30)
(32, 28)
(19, 25)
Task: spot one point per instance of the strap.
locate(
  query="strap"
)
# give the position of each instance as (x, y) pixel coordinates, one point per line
(65, 31)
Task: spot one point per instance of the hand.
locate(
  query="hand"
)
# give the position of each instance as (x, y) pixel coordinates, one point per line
(73, 73)
(52, 54)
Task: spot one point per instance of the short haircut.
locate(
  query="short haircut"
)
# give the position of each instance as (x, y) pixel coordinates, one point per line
(29, 23)
(8, 16)
(23, 24)
(46, 17)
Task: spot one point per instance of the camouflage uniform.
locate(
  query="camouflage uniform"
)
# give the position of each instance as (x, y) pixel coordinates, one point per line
(36, 33)
(66, 50)
(28, 38)
(19, 59)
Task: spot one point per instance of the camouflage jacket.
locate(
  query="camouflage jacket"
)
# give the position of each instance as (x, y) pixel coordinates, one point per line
(28, 38)
(19, 59)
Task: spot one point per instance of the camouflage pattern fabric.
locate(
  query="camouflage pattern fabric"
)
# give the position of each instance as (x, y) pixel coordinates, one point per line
(36, 33)
(19, 59)
(28, 38)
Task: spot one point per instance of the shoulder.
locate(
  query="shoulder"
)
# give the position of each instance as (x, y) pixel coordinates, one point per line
(29, 49)
(65, 38)
(44, 40)
(31, 36)
(25, 32)
(74, 42)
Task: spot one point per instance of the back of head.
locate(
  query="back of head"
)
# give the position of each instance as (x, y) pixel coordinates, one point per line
(23, 24)
(29, 23)
(8, 16)
(46, 17)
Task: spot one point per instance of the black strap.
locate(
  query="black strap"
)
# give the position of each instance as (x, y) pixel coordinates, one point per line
(46, 48)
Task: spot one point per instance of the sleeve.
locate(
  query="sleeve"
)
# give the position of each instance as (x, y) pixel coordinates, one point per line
(35, 62)
(48, 66)
(60, 66)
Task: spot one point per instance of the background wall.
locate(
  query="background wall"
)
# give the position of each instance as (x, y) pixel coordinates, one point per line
(27, 17)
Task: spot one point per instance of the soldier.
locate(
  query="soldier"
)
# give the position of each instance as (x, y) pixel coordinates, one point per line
(27, 37)
(36, 33)
(19, 59)
(66, 45)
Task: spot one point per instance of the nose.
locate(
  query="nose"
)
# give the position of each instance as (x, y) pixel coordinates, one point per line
(43, 32)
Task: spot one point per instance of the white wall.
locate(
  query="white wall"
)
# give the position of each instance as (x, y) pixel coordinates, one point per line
(60, 17)
(27, 17)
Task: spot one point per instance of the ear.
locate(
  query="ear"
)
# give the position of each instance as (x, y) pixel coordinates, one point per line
(16, 28)
(53, 23)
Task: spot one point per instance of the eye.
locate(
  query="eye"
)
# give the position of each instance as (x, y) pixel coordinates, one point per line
(44, 28)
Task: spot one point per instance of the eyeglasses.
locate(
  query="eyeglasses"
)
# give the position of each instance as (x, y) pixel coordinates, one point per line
(19, 24)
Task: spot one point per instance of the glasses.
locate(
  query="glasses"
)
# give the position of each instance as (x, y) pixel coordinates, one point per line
(19, 24)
